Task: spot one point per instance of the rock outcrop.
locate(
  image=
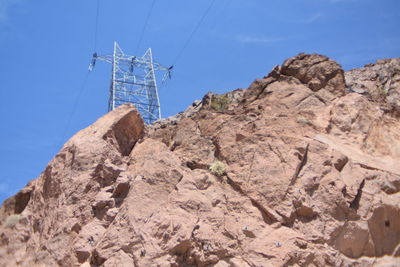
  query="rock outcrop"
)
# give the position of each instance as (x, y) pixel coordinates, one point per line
(303, 173)
(379, 81)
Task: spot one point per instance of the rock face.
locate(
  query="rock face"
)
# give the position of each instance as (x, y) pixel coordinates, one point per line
(304, 172)
(381, 81)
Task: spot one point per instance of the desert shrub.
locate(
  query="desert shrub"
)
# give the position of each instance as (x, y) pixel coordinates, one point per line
(217, 168)
(383, 92)
(220, 103)
(12, 220)
(303, 120)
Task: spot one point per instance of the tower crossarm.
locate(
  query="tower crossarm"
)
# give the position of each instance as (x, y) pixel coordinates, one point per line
(106, 58)
(129, 60)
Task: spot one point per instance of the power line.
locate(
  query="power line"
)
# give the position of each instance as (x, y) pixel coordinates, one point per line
(83, 85)
(221, 14)
(144, 27)
(194, 31)
(96, 25)
(77, 99)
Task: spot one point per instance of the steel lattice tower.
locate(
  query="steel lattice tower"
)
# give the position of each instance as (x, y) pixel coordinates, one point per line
(134, 81)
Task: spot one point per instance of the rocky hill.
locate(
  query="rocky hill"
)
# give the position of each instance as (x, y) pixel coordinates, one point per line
(300, 169)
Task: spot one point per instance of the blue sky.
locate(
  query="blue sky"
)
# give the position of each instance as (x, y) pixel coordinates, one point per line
(46, 46)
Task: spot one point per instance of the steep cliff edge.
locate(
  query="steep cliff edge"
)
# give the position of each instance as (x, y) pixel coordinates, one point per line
(300, 169)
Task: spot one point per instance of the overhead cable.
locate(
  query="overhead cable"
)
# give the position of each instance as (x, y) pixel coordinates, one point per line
(144, 26)
(75, 105)
(96, 26)
(194, 31)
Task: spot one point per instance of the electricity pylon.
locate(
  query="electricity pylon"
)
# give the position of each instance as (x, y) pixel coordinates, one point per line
(133, 81)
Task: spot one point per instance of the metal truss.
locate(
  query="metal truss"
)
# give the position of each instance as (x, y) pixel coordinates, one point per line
(134, 81)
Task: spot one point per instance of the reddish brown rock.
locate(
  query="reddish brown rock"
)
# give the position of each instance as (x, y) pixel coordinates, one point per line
(309, 178)
(379, 81)
(68, 201)
(317, 72)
